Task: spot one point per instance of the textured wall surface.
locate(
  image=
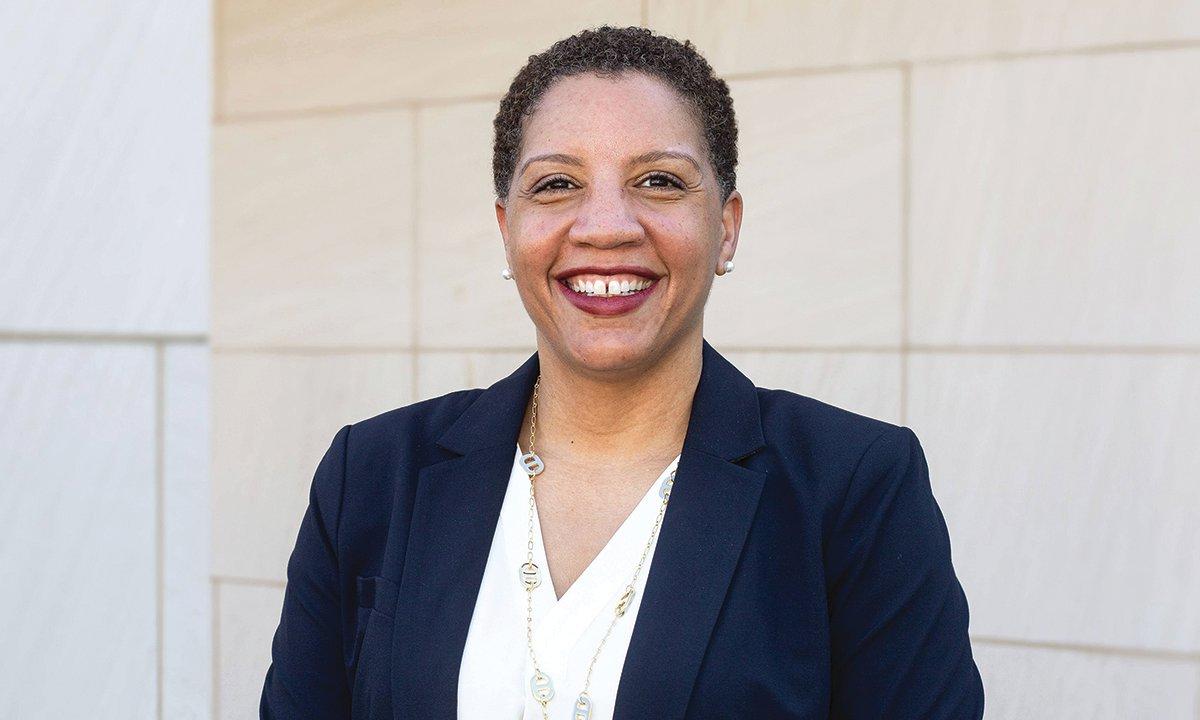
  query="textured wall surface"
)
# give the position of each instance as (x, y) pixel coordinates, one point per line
(977, 219)
(105, 597)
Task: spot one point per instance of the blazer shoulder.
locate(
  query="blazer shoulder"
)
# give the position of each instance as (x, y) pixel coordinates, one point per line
(383, 454)
(828, 439)
(414, 427)
(803, 417)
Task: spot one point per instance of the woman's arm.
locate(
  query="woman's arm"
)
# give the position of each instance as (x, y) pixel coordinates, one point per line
(307, 678)
(898, 615)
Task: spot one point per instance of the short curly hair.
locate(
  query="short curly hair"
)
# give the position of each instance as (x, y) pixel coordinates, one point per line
(608, 50)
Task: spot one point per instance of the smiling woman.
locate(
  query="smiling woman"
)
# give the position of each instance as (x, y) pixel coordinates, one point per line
(615, 184)
(625, 526)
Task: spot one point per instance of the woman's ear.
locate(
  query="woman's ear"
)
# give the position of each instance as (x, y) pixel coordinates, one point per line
(731, 221)
(501, 218)
(502, 221)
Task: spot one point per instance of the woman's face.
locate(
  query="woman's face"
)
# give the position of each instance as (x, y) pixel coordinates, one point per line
(614, 172)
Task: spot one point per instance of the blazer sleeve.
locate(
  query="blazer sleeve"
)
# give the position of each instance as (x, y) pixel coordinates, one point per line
(306, 677)
(898, 615)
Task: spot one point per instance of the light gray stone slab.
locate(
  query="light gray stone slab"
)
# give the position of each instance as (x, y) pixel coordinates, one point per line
(77, 531)
(187, 536)
(104, 197)
(1024, 682)
(1069, 483)
(1054, 201)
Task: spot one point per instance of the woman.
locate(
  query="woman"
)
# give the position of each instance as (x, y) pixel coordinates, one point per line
(624, 527)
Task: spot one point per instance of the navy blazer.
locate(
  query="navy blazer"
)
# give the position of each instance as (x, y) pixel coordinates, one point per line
(802, 568)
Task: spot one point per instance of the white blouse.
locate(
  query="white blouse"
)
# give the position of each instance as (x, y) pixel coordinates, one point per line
(495, 670)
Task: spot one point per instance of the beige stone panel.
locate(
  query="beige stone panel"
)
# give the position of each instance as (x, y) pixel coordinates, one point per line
(1054, 201)
(867, 383)
(1026, 682)
(274, 416)
(742, 36)
(247, 615)
(1069, 485)
(312, 242)
(316, 53)
(463, 301)
(439, 373)
(818, 257)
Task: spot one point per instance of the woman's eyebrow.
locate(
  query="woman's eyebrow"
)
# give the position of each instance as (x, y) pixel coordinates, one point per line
(552, 157)
(646, 157)
(663, 155)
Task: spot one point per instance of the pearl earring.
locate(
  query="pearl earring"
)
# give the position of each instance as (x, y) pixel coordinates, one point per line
(506, 274)
(728, 266)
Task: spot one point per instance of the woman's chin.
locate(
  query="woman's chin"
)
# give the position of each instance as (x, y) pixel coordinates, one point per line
(602, 350)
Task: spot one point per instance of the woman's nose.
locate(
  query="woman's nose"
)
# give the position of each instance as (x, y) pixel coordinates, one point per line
(606, 218)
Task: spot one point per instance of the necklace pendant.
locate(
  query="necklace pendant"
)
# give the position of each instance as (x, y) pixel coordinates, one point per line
(623, 604)
(664, 490)
(532, 463)
(531, 577)
(542, 687)
(583, 707)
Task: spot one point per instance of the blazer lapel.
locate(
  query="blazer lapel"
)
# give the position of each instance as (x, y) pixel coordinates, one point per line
(713, 502)
(457, 507)
(455, 512)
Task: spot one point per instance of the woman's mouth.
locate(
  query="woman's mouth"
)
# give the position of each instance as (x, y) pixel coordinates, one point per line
(607, 294)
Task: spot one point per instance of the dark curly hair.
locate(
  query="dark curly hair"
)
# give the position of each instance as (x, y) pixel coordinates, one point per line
(608, 50)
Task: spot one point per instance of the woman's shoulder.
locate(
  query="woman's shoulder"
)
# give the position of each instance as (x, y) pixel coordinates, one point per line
(852, 465)
(828, 443)
(419, 421)
(791, 417)
(397, 442)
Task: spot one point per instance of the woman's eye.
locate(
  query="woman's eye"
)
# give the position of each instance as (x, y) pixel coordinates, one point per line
(552, 184)
(658, 180)
(663, 180)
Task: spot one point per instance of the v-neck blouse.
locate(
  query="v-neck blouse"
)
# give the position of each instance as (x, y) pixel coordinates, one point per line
(495, 669)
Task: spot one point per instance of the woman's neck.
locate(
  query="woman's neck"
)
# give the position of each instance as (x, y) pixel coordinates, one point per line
(594, 419)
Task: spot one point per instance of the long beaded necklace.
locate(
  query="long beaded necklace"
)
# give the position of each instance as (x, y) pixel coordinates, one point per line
(540, 684)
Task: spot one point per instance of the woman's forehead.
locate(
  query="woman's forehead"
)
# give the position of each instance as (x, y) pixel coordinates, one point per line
(591, 111)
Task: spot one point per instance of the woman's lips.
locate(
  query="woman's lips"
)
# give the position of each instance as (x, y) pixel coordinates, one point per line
(608, 306)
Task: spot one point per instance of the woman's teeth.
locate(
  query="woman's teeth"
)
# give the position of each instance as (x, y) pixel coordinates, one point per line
(608, 287)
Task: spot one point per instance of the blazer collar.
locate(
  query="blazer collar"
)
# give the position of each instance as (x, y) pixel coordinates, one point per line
(455, 512)
(724, 420)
